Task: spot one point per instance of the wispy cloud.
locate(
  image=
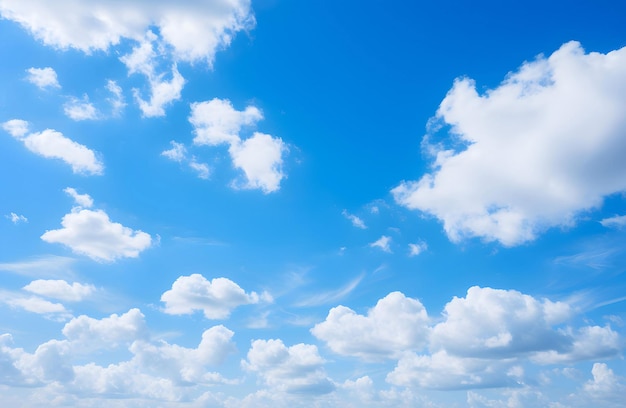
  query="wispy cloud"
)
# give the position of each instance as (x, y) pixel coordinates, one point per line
(330, 296)
(46, 266)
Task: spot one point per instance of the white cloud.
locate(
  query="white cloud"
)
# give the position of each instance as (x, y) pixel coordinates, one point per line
(587, 343)
(395, 325)
(443, 371)
(177, 153)
(201, 168)
(618, 221)
(52, 144)
(162, 93)
(117, 98)
(417, 248)
(356, 221)
(32, 304)
(295, 369)
(83, 200)
(43, 77)
(383, 243)
(331, 295)
(216, 298)
(81, 109)
(605, 385)
(536, 151)
(186, 365)
(16, 127)
(60, 289)
(16, 218)
(87, 333)
(192, 30)
(216, 121)
(92, 233)
(500, 323)
(260, 157)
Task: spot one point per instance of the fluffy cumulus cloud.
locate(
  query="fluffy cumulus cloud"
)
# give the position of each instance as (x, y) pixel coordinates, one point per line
(492, 322)
(92, 233)
(533, 153)
(33, 304)
(156, 370)
(295, 369)
(485, 339)
(194, 30)
(216, 298)
(259, 157)
(43, 77)
(54, 145)
(60, 289)
(396, 324)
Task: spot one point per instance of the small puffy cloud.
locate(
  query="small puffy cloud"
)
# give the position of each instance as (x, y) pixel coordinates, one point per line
(296, 369)
(80, 109)
(16, 218)
(92, 233)
(177, 153)
(216, 121)
(260, 157)
(16, 127)
(216, 298)
(531, 154)
(618, 221)
(356, 221)
(417, 248)
(43, 77)
(83, 200)
(60, 289)
(395, 325)
(383, 243)
(52, 144)
(192, 31)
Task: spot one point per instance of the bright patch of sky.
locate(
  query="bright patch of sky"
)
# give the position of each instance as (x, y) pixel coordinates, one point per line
(270, 203)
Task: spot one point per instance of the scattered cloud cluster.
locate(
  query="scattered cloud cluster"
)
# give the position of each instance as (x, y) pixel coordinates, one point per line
(483, 340)
(259, 157)
(92, 233)
(531, 154)
(178, 153)
(54, 145)
(16, 218)
(216, 298)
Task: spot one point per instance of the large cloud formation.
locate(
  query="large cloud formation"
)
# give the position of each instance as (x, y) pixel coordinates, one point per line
(544, 146)
(194, 30)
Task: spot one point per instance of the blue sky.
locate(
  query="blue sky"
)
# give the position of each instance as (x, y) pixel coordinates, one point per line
(298, 203)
